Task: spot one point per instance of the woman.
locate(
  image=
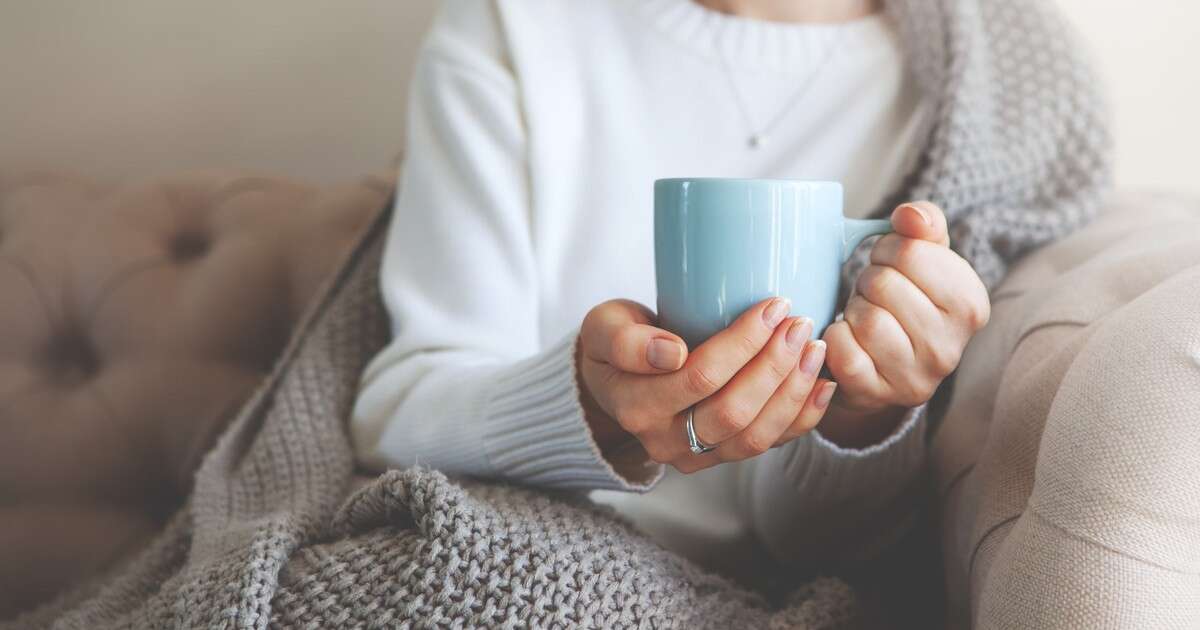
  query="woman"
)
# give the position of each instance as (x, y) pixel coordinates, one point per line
(519, 264)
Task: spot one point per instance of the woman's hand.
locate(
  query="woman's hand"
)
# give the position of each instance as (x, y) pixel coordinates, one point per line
(912, 313)
(754, 385)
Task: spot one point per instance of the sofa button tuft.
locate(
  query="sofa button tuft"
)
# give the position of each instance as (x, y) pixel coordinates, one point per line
(72, 358)
(187, 246)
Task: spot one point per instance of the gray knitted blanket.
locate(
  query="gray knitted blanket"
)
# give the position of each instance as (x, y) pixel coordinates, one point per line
(280, 531)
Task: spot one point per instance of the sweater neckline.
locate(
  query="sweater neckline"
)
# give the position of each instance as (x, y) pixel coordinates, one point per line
(754, 43)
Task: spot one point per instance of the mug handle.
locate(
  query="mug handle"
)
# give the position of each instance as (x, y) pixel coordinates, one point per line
(855, 230)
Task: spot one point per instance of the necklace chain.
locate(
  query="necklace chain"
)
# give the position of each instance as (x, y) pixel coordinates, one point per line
(758, 135)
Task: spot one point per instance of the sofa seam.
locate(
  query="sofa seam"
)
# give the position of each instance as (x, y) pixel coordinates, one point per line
(1109, 548)
(1073, 535)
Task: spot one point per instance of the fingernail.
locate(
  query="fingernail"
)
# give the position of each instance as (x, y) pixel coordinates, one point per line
(776, 311)
(921, 213)
(798, 333)
(664, 354)
(812, 360)
(825, 395)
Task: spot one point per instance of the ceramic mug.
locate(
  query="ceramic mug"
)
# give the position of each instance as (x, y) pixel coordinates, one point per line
(722, 245)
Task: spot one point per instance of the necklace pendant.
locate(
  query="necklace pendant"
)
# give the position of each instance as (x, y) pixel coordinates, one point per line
(755, 141)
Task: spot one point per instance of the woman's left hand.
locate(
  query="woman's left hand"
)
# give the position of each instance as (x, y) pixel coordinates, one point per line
(904, 329)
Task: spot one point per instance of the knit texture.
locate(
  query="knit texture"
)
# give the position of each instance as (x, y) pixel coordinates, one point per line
(503, 557)
(263, 540)
(1019, 151)
(1017, 155)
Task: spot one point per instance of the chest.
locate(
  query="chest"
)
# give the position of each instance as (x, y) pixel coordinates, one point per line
(599, 143)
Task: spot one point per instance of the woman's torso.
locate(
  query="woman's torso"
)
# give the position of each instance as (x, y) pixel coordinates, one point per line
(616, 94)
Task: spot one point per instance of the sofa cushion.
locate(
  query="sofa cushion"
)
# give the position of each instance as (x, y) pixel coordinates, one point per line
(135, 320)
(1067, 460)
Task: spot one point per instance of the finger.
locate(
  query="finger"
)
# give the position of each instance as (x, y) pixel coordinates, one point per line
(949, 281)
(882, 337)
(619, 333)
(814, 409)
(742, 399)
(850, 365)
(921, 220)
(711, 365)
(668, 444)
(895, 293)
(692, 463)
(935, 344)
(780, 411)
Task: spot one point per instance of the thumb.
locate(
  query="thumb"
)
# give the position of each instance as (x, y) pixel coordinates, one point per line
(921, 220)
(620, 333)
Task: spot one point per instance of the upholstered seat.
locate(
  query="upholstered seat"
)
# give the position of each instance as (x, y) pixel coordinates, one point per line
(134, 321)
(1067, 460)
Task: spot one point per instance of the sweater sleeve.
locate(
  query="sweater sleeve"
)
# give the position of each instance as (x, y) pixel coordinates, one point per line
(809, 497)
(465, 386)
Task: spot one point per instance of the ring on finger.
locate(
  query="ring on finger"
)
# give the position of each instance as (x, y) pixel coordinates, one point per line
(694, 444)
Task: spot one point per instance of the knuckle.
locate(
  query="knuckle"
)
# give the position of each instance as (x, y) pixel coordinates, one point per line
(872, 324)
(852, 367)
(909, 253)
(657, 453)
(699, 381)
(589, 320)
(754, 444)
(798, 392)
(631, 419)
(978, 314)
(841, 357)
(912, 394)
(887, 244)
(943, 360)
(600, 312)
(634, 311)
(877, 281)
(730, 418)
(631, 423)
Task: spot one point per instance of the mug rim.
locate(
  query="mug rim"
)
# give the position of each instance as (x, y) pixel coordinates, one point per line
(748, 180)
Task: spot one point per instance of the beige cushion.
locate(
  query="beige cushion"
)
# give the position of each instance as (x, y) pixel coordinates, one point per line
(135, 320)
(1069, 458)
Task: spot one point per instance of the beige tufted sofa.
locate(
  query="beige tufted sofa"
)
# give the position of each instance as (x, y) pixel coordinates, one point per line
(1068, 461)
(135, 320)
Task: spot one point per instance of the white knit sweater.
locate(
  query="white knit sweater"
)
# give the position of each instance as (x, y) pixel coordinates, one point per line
(536, 129)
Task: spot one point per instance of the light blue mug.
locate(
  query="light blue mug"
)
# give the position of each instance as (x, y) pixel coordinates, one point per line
(722, 245)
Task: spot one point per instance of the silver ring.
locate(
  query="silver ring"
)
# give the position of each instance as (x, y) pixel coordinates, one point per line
(694, 443)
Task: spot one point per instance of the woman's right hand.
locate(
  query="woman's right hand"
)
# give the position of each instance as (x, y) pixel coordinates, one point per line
(754, 385)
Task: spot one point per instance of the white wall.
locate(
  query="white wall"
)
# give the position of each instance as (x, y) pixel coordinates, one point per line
(316, 88)
(311, 88)
(1149, 52)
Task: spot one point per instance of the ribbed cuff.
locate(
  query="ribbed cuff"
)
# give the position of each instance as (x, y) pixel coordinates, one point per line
(816, 502)
(824, 471)
(833, 471)
(537, 435)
